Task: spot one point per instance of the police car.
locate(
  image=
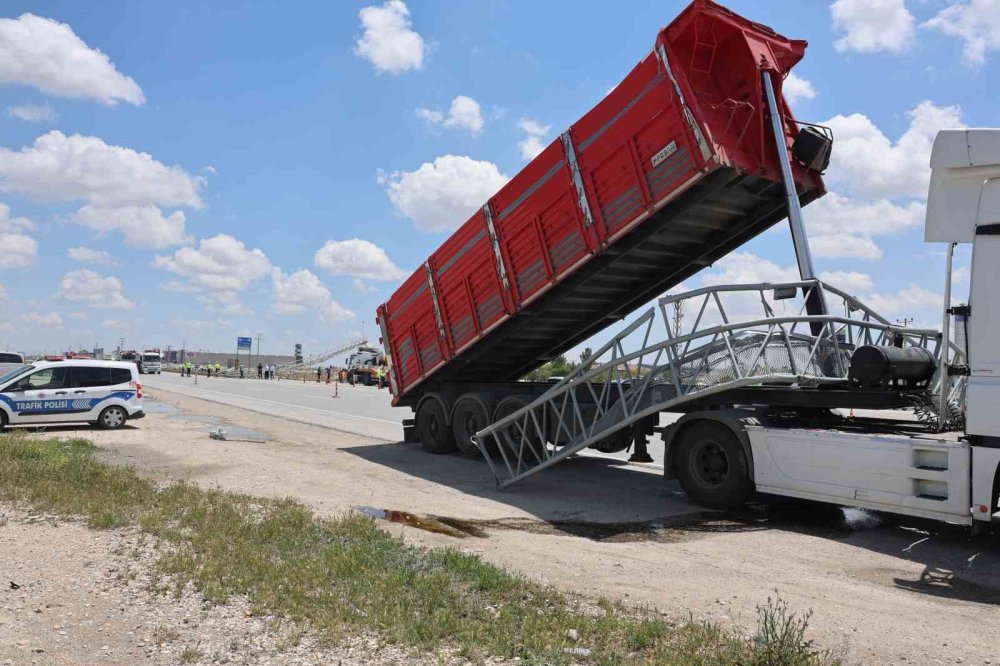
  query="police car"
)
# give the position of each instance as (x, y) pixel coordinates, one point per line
(103, 393)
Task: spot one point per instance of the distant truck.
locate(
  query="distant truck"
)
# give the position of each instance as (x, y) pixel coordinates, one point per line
(363, 365)
(152, 362)
(131, 356)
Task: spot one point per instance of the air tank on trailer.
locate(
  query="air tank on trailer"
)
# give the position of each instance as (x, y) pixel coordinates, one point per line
(673, 169)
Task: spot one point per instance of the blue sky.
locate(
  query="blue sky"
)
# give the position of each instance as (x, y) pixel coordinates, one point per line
(198, 171)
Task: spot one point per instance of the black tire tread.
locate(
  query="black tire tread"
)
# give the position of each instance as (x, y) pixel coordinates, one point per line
(737, 489)
(445, 441)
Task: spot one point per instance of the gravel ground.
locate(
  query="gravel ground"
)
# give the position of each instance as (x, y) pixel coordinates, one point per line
(85, 597)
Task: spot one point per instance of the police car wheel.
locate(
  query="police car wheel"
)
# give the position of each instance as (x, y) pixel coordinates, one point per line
(112, 418)
(3, 421)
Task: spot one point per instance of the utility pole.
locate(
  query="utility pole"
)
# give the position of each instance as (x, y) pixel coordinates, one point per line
(258, 348)
(678, 317)
(904, 321)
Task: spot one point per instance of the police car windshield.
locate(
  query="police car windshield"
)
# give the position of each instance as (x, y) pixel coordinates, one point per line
(15, 373)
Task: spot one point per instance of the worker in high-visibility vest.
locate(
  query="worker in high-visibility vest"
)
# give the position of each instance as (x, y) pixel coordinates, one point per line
(381, 376)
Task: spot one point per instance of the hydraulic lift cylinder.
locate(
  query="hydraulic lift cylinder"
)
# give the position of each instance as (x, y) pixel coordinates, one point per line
(815, 304)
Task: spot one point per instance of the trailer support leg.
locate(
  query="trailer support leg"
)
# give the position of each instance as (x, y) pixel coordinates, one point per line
(639, 451)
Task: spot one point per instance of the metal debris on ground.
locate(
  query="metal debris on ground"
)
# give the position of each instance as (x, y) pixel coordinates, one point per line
(253, 436)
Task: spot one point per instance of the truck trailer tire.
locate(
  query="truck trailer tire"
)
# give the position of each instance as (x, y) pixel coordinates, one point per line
(505, 408)
(432, 427)
(471, 415)
(615, 442)
(712, 467)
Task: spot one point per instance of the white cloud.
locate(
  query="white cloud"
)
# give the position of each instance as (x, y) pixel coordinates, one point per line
(77, 315)
(442, 195)
(868, 164)
(835, 214)
(430, 116)
(532, 144)
(302, 291)
(50, 320)
(464, 112)
(363, 287)
(65, 168)
(358, 258)
(871, 26)
(220, 267)
(13, 224)
(747, 268)
(976, 23)
(85, 286)
(89, 255)
(33, 113)
(843, 228)
(48, 55)
(912, 299)
(142, 226)
(796, 88)
(389, 43)
(17, 250)
(3, 293)
(845, 246)
(850, 281)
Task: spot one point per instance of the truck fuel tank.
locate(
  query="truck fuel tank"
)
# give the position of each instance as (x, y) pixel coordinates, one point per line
(874, 366)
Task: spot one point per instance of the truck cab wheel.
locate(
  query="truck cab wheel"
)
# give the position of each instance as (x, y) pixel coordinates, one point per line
(471, 415)
(432, 428)
(712, 467)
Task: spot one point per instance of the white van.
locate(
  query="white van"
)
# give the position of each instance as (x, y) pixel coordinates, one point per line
(10, 361)
(103, 393)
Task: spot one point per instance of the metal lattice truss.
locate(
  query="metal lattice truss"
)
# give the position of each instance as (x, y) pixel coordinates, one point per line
(316, 359)
(741, 335)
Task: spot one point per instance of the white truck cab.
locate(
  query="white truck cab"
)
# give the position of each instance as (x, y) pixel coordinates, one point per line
(103, 393)
(152, 362)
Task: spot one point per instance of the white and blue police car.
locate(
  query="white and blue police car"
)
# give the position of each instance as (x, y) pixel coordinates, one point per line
(103, 393)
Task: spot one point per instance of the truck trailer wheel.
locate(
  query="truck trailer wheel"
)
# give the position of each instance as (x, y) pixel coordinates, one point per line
(615, 442)
(712, 467)
(432, 428)
(505, 408)
(471, 415)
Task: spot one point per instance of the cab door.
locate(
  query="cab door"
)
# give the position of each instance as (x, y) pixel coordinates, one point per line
(40, 397)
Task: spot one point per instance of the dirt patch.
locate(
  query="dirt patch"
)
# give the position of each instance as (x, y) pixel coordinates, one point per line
(73, 595)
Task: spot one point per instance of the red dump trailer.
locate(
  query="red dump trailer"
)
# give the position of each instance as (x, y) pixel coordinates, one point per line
(672, 170)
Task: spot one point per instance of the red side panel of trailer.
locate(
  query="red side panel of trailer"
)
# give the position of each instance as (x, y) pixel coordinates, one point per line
(556, 242)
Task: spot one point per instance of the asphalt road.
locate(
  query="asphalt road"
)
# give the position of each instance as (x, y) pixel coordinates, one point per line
(362, 410)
